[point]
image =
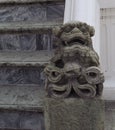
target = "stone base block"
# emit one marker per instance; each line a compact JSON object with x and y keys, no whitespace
{"x":74,"y":114}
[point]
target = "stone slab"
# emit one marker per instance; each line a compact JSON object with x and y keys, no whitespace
{"x":20,"y":27}
{"x":26,"y":42}
{"x":22,"y":76}
{"x":74,"y":114}
{"x":22,"y":97}
{"x":26,"y":1}
{"x":32,"y":12}
{"x":21,"y":120}
{"x":13,"y":58}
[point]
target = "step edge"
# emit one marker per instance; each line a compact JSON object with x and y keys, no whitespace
{"x":27,"y":1}
{"x":21,"y":27}
{"x":9,"y":58}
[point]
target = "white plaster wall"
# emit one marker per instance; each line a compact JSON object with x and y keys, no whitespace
{"x":107,"y":3}
{"x":108,"y":45}
{"x":97,"y":27}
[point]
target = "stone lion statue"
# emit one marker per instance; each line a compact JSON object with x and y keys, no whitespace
{"x":74,"y":68}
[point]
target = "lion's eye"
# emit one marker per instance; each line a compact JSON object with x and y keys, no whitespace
{"x":63,"y":43}
{"x":92,"y":74}
{"x":83,"y":29}
{"x":68,"y":29}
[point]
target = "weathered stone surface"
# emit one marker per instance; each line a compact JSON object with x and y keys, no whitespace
{"x":26,"y":42}
{"x":22,"y":97}
{"x":21,"y":120}
{"x":21,"y":75}
{"x":55,"y":12}
{"x":74,"y":114}
{"x":109,"y":114}
{"x":32,"y":12}
{"x":26,"y":1}
{"x":22,"y":13}
{"x":26,"y":27}
{"x":45,"y":27}
{"x":17,"y":58}
{"x":75,"y":65}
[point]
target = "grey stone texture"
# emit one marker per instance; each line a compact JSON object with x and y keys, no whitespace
{"x":22,"y":97}
{"x":26,"y":42}
{"x":19,"y":27}
{"x":110,"y":115}
{"x":55,"y":12}
{"x":75,"y":65}
{"x":32,"y":12}
{"x":21,"y":120}
{"x":74,"y":114}
{"x":21,"y":75}
{"x":25,"y":48}
{"x":26,"y":1}
{"x":22,"y":13}
{"x":24,"y":58}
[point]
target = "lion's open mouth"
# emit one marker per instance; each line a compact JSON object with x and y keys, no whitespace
{"x":76,"y":41}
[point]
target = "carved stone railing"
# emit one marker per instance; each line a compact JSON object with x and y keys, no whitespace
{"x":74,"y":82}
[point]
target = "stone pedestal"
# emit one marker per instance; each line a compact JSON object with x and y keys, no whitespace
{"x":74,"y":114}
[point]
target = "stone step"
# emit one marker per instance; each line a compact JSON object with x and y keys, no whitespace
{"x":26,"y":1}
{"x":31,"y":97}
{"x":33,"y":13}
{"x":22,"y":76}
{"x":28,"y":27}
{"x":25,"y":48}
{"x":22,"y":97}
{"x":27,"y":42}
{"x":15,"y":58}
{"x":26,"y":37}
{"x":21,"y":120}
{"x":23,"y":68}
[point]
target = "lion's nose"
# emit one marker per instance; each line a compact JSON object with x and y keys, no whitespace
{"x":76,"y":30}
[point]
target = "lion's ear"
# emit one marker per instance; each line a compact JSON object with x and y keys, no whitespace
{"x":56,"y":31}
{"x":91,"y":31}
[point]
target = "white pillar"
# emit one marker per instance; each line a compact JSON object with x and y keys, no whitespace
{"x":85,"y":11}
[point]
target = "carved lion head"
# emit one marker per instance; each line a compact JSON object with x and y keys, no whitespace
{"x":75,"y":34}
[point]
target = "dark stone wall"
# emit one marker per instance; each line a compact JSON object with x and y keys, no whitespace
{"x":21,"y":75}
{"x":21,"y":120}
{"x":26,"y":42}
{"x":32,"y":12}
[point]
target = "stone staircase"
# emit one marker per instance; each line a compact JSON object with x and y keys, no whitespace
{"x":25,"y":48}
